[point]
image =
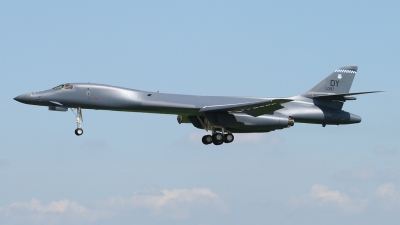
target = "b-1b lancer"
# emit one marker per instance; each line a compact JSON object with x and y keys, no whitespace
{"x":222,"y":116}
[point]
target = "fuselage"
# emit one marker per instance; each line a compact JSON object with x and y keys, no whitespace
{"x":105,"y":97}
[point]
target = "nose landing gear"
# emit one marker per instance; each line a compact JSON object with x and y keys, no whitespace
{"x":79,"y":120}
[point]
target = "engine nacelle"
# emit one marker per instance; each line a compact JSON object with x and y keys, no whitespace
{"x":248,"y":123}
{"x":59,"y":108}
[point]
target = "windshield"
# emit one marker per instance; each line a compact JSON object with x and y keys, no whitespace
{"x":58,"y":87}
{"x":62,"y":86}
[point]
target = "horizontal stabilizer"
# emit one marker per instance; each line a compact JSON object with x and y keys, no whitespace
{"x":252,"y":108}
{"x":342,"y":97}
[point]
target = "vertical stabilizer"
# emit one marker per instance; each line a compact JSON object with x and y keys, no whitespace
{"x":339,"y":82}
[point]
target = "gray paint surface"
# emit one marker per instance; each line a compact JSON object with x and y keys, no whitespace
{"x":321,"y":105}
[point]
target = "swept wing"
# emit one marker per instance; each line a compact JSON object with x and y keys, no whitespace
{"x":251,"y":108}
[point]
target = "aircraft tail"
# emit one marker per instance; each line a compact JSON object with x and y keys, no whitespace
{"x":339,"y":82}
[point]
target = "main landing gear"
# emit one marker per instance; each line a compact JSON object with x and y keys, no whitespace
{"x":217,"y":138}
{"x":79,"y":120}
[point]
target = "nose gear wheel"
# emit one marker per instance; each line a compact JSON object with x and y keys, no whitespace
{"x":78,"y":131}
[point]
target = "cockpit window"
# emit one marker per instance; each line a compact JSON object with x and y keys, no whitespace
{"x":63,"y":86}
{"x":58,"y":87}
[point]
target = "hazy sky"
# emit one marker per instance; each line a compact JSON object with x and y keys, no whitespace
{"x":132,"y":168}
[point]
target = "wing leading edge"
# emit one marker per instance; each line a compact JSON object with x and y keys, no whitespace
{"x":251,"y":108}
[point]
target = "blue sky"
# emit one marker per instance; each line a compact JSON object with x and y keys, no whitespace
{"x":146,"y":168}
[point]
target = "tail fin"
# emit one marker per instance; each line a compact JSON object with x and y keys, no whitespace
{"x":339,"y":82}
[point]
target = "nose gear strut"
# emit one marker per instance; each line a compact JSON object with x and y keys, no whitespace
{"x":79,"y":120}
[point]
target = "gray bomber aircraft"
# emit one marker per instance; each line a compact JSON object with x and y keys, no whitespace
{"x":223,"y":116}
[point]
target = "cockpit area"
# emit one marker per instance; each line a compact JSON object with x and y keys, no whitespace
{"x":63,"y":86}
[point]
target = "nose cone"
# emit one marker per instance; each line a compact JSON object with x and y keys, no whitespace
{"x":25,"y":98}
{"x":354,"y":118}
